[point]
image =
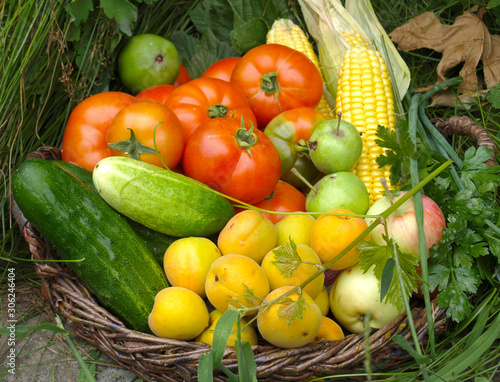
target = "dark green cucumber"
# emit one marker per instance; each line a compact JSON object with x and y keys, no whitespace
{"x":116,"y":265}
{"x":157,"y":242}
{"x":161,"y":199}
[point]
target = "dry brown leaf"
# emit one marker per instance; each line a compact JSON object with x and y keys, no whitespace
{"x":467,"y":40}
{"x":462,"y":101}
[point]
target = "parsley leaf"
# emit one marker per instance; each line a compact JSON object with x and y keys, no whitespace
{"x":494,"y":94}
{"x":454,"y":284}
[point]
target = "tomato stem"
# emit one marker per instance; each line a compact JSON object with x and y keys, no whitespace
{"x":302,"y":147}
{"x":270,"y":84}
{"x":132,"y":147}
{"x":217,"y":111}
{"x":246,"y":138}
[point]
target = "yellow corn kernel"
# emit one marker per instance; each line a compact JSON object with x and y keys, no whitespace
{"x":286,"y":32}
{"x":366,"y":101}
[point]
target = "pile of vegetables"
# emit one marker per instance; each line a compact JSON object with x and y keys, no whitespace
{"x":193,"y":189}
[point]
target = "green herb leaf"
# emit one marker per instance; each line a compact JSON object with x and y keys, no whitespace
{"x":249,"y":34}
{"x":198,"y":54}
{"x":399,"y":149}
{"x":475,"y":159}
{"x":494,"y":94}
{"x":119,"y":10}
{"x":292,"y":310}
{"x":250,"y":296}
{"x":287,"y":258}
{"x":378,"y":256}
{"x":456,"y":302}
{"x":439,"y":276}
{"x":214,"y":16}
{"x":79,"y":10}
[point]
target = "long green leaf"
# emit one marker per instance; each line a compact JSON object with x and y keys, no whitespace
{"x":247,"y":368}
{"x":21,"y":331}
{"x":206,"y":368}
{"x":466,"y":358}
{"x":222,"y":331}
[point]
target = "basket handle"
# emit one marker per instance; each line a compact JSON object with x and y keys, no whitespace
{"x":466,"y":127}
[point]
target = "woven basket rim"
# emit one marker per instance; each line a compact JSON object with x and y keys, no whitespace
{"x":158,"y":359}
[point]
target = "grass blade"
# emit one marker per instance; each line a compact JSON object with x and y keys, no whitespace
{"x":466,"y":358}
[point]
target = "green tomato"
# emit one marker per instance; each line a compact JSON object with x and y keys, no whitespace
{"x":288,"y":130}
{"x":147,"y":60}
{"x":306,"y":168}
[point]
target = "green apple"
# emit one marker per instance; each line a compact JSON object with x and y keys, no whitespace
{"x":335,"y":145}
{"x":147,"y":60}
{"x":339,"y":190}
{"x":354,"y":294}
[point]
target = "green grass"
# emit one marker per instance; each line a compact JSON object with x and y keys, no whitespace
{"x":44,"y":76}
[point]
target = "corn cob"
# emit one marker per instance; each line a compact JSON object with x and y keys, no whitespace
{"x":286,"y":32}
{"x":364,"y":98}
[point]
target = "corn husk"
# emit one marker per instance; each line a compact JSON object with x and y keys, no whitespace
{"x":362,"y":11}
{"x":337,"y":29}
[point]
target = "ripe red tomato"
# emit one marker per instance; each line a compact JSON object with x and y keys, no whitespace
{"x":238,"y":162}
{"x":132,"y":133}
{"x":275,"y":78}
{"x":157,"y":93}
{"x":221,"y":69}
{"x":183,"y":76}
{"x":284,"y":198}
{"x":204,"y":98}
{"x":84,"y":139}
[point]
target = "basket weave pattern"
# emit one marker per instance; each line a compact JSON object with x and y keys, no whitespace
{"x":157,"y":359}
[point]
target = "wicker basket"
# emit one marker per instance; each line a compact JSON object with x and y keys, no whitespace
{"x":157,"y":359}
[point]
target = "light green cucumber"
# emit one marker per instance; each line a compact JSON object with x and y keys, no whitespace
{"x":161,"y":199}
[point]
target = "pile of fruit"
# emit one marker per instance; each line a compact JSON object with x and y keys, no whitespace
{"x":241,"y":189}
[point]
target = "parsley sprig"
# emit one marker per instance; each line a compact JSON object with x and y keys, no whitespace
{"x":468,"y":255}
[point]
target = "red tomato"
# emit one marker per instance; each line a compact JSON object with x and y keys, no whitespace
{"x":275,"y":78}
{"x":183,"y":77}
{"x":84,"y":139}
{"x":204,"y":98}
{"x":284,"y":198}
{"x":238,"y":162}
{"x":221,"y":69}
{"x":141,"y":119}
{"x":157,"y":93}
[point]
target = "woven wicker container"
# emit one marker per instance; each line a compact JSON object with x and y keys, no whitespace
{"x":157,"y":359}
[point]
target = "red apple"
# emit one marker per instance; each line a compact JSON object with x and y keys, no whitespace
{"x":402,"y":224}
